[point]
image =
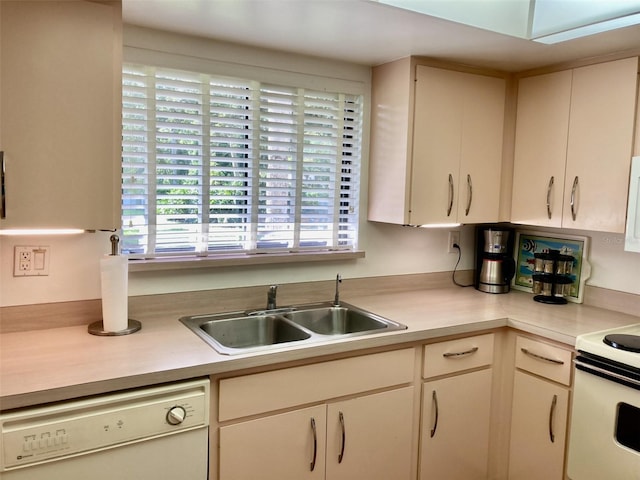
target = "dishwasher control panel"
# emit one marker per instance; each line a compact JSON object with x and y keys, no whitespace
{"x":79,"y":426}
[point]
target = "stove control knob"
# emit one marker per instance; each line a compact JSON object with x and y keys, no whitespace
{"x":176,"y":415}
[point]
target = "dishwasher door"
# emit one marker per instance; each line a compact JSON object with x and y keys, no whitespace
{"x":153,"y":433}
{"x":176,"y":457}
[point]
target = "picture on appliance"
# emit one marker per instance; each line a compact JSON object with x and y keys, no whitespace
{"x":528,"y":245}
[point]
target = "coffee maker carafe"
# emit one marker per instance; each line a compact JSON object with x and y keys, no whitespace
{"x":495,"y":266}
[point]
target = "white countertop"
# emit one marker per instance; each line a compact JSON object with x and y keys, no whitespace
{"x":42,"y":366}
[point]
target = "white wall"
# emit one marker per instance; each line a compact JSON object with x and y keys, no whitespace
{"x":391,"y":250}
{"x":74,"y":265}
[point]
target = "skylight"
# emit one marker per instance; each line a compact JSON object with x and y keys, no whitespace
{"x":544,"y":21}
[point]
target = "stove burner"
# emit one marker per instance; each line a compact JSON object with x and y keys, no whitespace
{"x":630,"y":343}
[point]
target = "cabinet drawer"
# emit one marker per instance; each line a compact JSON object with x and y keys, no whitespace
{"x":289,"y":387}
{"x":543,"y":359}
{"x":457,"y":355}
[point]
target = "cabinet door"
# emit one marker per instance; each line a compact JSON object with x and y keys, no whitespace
{"x":603,"y":104}
{"x":542,"y":125}
{"x":370,"y":437}
{"x":437,"y":130}
{"x":481,"y":149}
{"x":278,"y":447}
{"x":60,"y":114}
{"x":538,"y":429}
{"x":457,"y":147}
{"x":455,"y":427}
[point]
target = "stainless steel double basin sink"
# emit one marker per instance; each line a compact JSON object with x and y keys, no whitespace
{"x":246,"y":332}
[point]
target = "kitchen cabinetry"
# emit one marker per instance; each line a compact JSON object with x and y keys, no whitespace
{"x":436,"y":145}
{"x":456,"y":409}
{"x":574,"y":137}
{"x":369,"y":436}
{"x":60,"y":113}
{"x":539,"y":411}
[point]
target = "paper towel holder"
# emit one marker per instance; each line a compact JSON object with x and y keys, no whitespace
{"x":97,"y":328}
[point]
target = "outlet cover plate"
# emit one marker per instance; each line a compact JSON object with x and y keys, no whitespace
{"x":31,"y":261}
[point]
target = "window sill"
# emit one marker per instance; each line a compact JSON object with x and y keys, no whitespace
{"x":217,"y":261}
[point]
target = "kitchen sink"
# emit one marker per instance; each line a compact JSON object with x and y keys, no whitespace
{"x":253,"y":331}
{"x":246,"y":332}
{"x":337,"y":320}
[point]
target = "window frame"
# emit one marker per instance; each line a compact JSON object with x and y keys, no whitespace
{"x":233,"y":258}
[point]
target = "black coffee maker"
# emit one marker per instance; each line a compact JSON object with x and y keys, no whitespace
{"x":495,"y":265}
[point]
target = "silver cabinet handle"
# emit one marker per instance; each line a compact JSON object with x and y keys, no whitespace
{"x":540,"y":357}
{"x":549,"y":187}
{"x":3,"y":207}
{"x":469,"y":194}
{"x":460,"y":354}
{"x":344,"y":438}
{"x":552,"y":413}
{"x":315,"y":444}
{"x":450,"y":195}
{"x":573,"y":198}
{"x":435,"y":421}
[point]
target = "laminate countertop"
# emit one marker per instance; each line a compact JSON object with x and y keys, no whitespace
{"x":42,"y":366}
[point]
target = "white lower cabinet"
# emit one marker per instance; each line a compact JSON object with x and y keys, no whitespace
{"x":541,"y":387}
{"x":346,"y":419}
{"x":456,"y":409}
{"x":455,"y":427}
{"x":356,"y":418}
{"x":538,"y":429}
{"x":278,"y":447}
{"x":368,"y":437}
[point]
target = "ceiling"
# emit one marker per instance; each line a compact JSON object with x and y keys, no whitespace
{"x":363,"y":31}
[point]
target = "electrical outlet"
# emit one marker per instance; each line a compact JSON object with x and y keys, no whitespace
{"x":31,"y":261}
{"x":454,"y":238}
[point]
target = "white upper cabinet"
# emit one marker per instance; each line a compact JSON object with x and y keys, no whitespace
{"x":457,"y":147}
{"x":574,"y":138}
{"x":541,"y":149}
{"x":60,"y":113}
{"x":436,"y":145}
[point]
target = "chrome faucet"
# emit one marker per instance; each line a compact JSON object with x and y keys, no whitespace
{"x":271,"y":297}
{"x":336,"y":300}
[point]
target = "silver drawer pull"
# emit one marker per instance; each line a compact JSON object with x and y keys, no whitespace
{"x":460,"y":354}
{"x":312,"y":467}
{"x":552,"y":412}
{"x":469,"y":195}
{"x":344,"y":438}
{"x":549,"y":187}
{"x":450,"y":207}
{"x":434,"y":397}
{"x":540,"y":357}
{"x":574,"y":213}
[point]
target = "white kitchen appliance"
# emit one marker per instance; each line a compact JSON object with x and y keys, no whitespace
{"x":605,"y":422}
{"x":632,"y":231}
{"x":152,"y":433}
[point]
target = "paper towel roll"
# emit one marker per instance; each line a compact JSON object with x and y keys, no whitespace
{"x":114,"y":275}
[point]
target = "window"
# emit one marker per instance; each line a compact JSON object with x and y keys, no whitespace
{"x":215,"y":164}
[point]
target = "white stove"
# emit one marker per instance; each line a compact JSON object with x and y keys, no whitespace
{"x":621,"y":345}
{"x":605,"y":419}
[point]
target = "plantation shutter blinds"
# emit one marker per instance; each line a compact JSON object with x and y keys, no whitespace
{"x":215,"y":164}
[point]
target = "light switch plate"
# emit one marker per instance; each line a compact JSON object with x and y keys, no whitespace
{"x":31,"y":261}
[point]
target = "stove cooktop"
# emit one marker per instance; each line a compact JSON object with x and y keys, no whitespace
{"x":623,"y":341}
{"x":620,"y":344}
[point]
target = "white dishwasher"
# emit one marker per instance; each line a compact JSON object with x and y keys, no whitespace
{"x":154,"y":433}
